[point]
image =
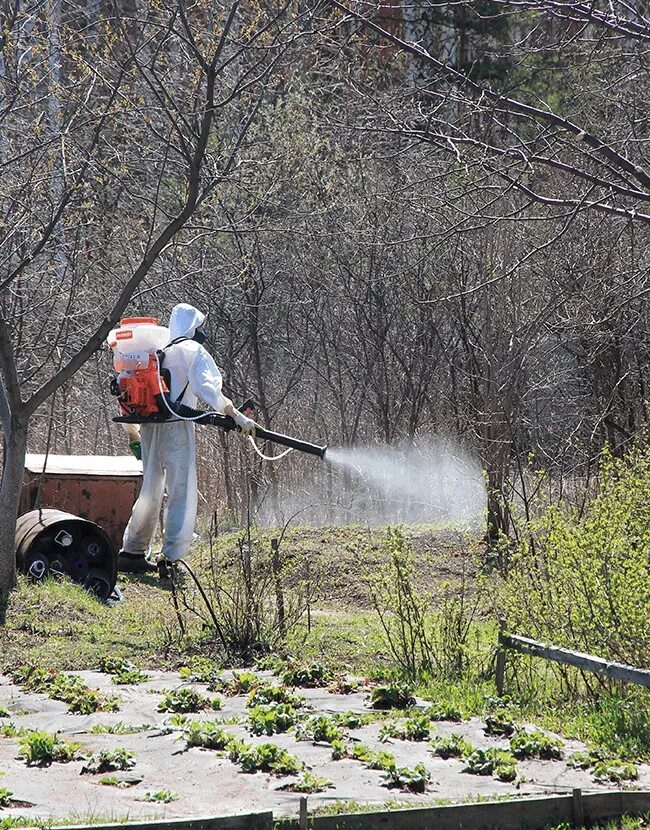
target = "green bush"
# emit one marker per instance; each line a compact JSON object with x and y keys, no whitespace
{"x":580,"y":580}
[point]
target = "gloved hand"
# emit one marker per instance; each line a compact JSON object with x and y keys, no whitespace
{"x":136,"y":449}
{"x":245,"y":424}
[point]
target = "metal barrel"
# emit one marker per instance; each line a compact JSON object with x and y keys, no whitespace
{"x":50,"y":541}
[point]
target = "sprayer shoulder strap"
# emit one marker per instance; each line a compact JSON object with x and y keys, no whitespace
{"x":161,"y":360}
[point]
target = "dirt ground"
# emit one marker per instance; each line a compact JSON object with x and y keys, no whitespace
{"x":209,"y":784}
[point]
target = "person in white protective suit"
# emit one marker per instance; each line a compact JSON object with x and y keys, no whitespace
{"x":169,"y":448}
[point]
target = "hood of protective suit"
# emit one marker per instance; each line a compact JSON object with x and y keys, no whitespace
{"x":184,"y":321}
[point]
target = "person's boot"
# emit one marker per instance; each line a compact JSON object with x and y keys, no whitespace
{"x":134,"y":563}
{"x":168,"y":570}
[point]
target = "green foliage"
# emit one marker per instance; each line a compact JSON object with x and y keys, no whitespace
{"x":585,"y":583}
{"x":273,"y":694}
{"x":536,"y":745}
{"x":184,"y":700}
{"x":615,"y":770}
{"x":123,"y":672}
{"x":412,"y":780}
{"x":109,"y":760}
{"x":4,"y":713}
{"x":319,"y":729}
{"x":44,"y":748}
{"x":242,"y":683}
{"x":442,"y":710}
{"x":307,"y":676}
{"x":497,"y":762}
{"x":201,"y":670}
{"x":68,"y":688}
{"x":451,"y":746}
{"x":360,"y":752}
{"x":412,"y":729}
{"x":272,"y":718}
{"x":118,"y":728}
{"x":307,"y":782}
{"x":5,"y":797}
{"x":499,"y":722}
{"x":160,"y":796}
{"x":206,"y":734}
{"x":266,"y":757}
{"x":392,"y":696}
{"x":110,"y":781}
{"x":351,"y":720}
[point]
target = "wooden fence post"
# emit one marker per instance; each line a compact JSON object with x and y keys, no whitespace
{"x":501,"y":659}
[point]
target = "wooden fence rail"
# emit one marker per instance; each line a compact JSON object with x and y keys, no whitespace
{"x":586,"y":662}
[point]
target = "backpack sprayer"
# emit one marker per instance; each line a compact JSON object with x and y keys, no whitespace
{"x":142,"y":385}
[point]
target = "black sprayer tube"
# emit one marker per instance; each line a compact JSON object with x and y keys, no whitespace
{"x":226,"y":423}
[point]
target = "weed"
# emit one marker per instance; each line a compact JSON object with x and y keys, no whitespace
{"x":536,"y":745}
{"x":393,"y":696}
{"x":183,"y":700}
{"x":452,"y":746}
{"x":307,"y":782}
{"x":498,"y":762}
{"x":412,"y":780}
{"x":118,"y":728}
{"x":271,"y":718}
{"x":308,"y":676}
{"x":45,"y":748}
{"x":207,"y":734}
{"x":109,"y":760}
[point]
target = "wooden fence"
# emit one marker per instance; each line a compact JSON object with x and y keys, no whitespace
{"x":586,"y":662}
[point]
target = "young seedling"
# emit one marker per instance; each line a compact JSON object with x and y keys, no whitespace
{"x":265,"y":757}
{"x":309,"y":783}
{"x":123,"y":671}
{"x":413,"y":729}
{"x":118,"y":728}
{"x":241,"y":684}
{"x":536,"y":745}
{"x":412,"y":780}
{"x":306,"y":676}
{"x":273,"y":694}
{"x":272,"y":718}
{"x":160,"y":796}
{"x":497,"y":762}
{"x":206,"y":734}
{"x":319,"y":729}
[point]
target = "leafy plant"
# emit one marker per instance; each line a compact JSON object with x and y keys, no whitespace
{"x":451,"y":746}
{"x":4,"y":713}
{"x":351,"y":720}
{"x":413,"y":729}
{"x":109,"y":760}
{"x":267,"y":757}
{"x":441,"y":710}
{"x":273,"y":694}
{"x":44,"y":748}
{"x":345,"y":686}
{"x":499,"y":723}
{"x":5,"y":797}
{"x":184,"y":700}
{"x":110,"y":780}
{"x":586,"y":758}
{"x":413,"y":780}
{"x":271,"y":718}
{"x":615,"y":770}
{"x":307,"y":782}
{"x":308,"y":676}
{"x":118,"y":728}
{"x":498,"y":762}
{"x":242,"y":683}
{"x":123,"y":671}
{"x":319,"y":729}
{"x":393,"y":696}
{"x":207,"y":734}
{"x":380,"y":760}
{"x":201,"y":670}
{"x":536,"y":745}
{"x":160,"y":796}
{"x":68,"y":688}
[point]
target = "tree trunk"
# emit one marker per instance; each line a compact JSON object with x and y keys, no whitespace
{"x":12,"y":479}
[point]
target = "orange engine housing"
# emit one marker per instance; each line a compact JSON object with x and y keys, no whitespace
{"x":139,"y":390}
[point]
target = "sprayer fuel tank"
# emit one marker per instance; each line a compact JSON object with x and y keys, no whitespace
{"x":51,"y":542}
{"x":138,"y":334}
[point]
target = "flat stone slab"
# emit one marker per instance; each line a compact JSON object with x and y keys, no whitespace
{"x":209,"y":784}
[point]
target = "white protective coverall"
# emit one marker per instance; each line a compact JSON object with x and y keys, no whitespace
{"x":169,"y":449}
